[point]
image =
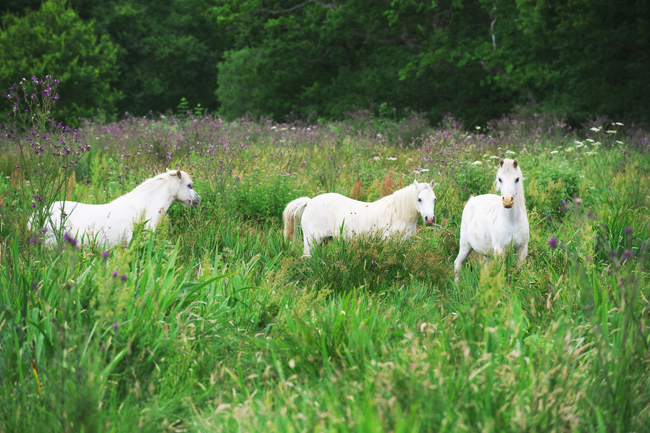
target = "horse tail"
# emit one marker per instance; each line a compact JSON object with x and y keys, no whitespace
{"x":291,"y":213}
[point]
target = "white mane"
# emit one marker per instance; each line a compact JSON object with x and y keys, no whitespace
{"x":152,"y":183}
{"x":399,"y":204}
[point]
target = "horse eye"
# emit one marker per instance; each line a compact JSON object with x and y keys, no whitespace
{"x":189,"y":186}
{"x":419,"y":199}
{"x":500,"y":180}
{"x":516,"y":180}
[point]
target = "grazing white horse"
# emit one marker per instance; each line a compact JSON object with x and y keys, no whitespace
{"x":490,"y":223}
{"x":333,"y":214}
{"x":112,"y":223}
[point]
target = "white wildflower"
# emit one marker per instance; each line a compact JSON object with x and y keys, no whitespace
{"x":619,"y":142}
{"x":510,"y":151}
{"x":293,"y":128}
{"x":595,"y":129}
{"x":292,"y":363}
{"x":392,"y":159}
{"x":274,"y":127}
{"x":343,"y":312}
{"x":486,"y":155}
{"x":618,"y":124}
{"x":579,"y":146}
{"x":478,"y":127}
{"x":376,"y":158}
{"x":380,"y":136}
{"x":611,"y":132}
{"x":578,"y":142}
{"x":554,"y":152}
{"x":590,"y":140}
{"x":494,"y":157}
{"x":424,"y":170}
{"x":308,"y":129}
{"x":477,"y":163}
{"x":569,"y":149}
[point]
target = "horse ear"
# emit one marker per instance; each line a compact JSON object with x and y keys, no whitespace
{"x":515,"y":163}
{"x":178,"y":173}
{"x":433,"y":183}
{"x":415,"y":182}
{"x":501,"y":163}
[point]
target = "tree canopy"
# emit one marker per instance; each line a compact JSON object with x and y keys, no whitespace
{"x":474,"y":59}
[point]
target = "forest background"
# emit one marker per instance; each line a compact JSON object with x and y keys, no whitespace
{"x":473,"y":59}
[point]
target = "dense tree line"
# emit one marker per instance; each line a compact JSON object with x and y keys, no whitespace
{"x":475,"y":59}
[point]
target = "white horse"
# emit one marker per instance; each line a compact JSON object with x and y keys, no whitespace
{"x":112,"y":223}
{"x":333,"y":214}
{"x":490,"y":223}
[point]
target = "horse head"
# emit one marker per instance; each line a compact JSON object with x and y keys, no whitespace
{"x":181,"y":188}
{"x":426,"y":200}
{"x":508,"y":181}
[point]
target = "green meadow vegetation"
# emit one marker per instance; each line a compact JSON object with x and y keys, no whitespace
{"x":215,"y":323}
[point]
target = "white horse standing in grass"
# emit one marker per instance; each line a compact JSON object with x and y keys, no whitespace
{"x":491,"y":223}
{"x":330,"y":215}
{"x":113,"y":222}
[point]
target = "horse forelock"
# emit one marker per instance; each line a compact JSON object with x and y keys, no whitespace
{"x":173,"y":173}
{"x":508,"y":169}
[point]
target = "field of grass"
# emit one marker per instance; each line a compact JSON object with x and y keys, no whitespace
{"x":215,"y":322}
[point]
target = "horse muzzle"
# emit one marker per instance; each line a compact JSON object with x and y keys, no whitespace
{"x":508,"y":202}
{"x":429,"y":220}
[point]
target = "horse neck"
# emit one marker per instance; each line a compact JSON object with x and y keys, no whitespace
{"x":152,"y":194}
{"x":400,"y":204}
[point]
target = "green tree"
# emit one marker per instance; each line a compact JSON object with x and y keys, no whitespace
{"x":475,"y":59}
{"x":167,"y":50}
{"x":55,"y":41}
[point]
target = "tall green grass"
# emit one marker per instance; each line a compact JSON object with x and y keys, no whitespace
{"x":216,"y":323}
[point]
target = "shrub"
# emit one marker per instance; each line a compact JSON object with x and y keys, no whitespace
{"x":264,"y":198}
{"x":55,"y":41}
{"x":475,"y":180}
{"x":552,"y":184}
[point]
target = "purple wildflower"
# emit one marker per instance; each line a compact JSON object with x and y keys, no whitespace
{"x":552,"y":242}
{"x":69,"y":239}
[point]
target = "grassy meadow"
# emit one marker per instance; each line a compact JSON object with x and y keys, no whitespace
{"x":215,"y":323}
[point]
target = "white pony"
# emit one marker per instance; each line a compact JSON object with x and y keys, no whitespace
{"x":112,"y":223}
{"x":333,"y":214}
{"x":490,"y":223}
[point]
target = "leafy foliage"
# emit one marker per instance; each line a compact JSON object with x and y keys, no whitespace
{"x":264,"y":198}
{"x":55,"y":41}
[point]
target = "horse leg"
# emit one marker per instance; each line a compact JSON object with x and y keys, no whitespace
{"x":523,"y":252}
{"x":309,"y":243}
{"x":463,"y":253}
